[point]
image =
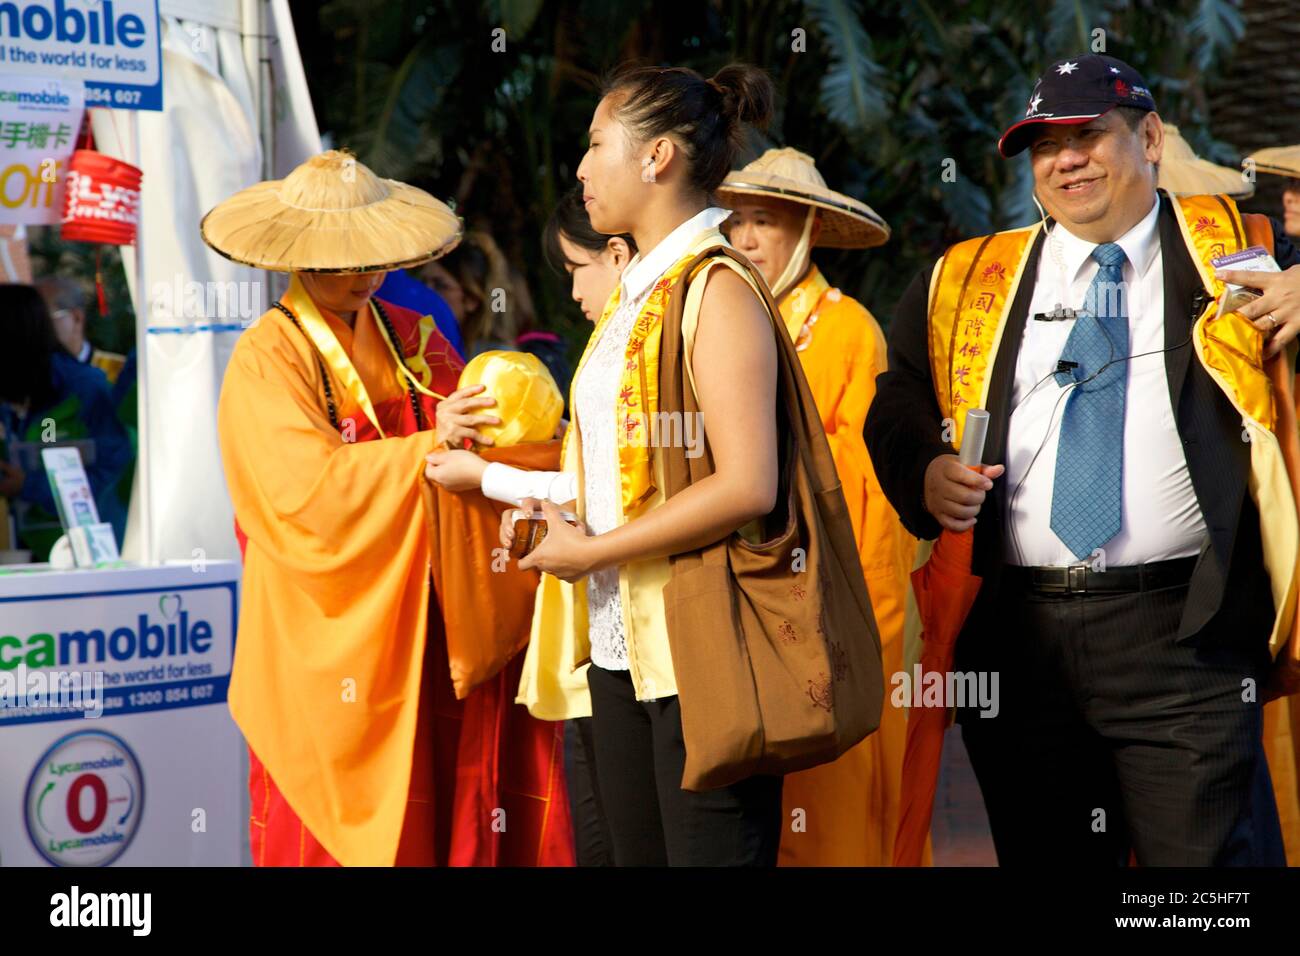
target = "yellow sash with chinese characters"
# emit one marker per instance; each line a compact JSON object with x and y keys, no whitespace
{"x":971,"y":291}
{"x":638,"y":394}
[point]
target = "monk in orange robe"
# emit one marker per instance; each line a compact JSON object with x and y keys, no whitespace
{"x":368,"y":744}
{"x":843,"y":813}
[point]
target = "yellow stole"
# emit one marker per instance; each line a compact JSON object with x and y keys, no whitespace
{"x":970,"y":295}
{"x":336,"y":359}
{"x":638,"y":395}
{"x":972,"y":289}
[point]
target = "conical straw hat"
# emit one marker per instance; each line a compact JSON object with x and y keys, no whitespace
{"x":331,"y":214}
{"x":1279,"y":160}
{"x":792,"y":175}
{"x":1183,"y":173}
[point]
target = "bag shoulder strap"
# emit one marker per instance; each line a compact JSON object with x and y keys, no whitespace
{"x":804,"y":442}
{"x":676,"y":396}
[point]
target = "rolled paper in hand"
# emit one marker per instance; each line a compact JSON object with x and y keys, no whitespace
{"x":972,"y":437}
{"x":528,"y":401}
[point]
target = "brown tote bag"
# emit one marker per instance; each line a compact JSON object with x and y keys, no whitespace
{"x":774,"y":645}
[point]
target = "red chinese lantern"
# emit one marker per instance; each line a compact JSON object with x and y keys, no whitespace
{"x":101,"y":199}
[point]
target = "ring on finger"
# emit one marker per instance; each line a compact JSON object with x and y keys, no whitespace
{"x":1271,"y":320}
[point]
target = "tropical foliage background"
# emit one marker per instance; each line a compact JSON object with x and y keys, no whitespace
{"x":882,"y":94}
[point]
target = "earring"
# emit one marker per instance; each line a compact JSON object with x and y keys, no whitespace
{"x":647,"y":170}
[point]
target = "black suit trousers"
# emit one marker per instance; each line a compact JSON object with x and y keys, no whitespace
{"x":1112,"y":736}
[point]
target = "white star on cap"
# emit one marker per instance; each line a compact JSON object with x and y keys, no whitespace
{"x":1114,"y":69}
{"x":1066,"y":68}
{"x":1033,"y":104}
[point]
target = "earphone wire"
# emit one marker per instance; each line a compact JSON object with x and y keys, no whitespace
{"x":1015,"y":538}
{"x":1065,"y":392}
{"x":1054,"y":245}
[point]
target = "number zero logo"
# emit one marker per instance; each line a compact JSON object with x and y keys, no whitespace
{"x":85,"y":799}
{"x":99,"y":802}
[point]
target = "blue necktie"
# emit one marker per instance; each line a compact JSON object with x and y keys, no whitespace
{"x":1088,"y":492}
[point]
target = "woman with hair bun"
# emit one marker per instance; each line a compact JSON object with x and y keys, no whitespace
{"x":661,"y":141}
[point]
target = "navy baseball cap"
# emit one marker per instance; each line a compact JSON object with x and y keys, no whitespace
{"x":1076,"y":90}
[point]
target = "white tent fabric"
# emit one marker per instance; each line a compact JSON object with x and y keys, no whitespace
{"x":201,"y":148}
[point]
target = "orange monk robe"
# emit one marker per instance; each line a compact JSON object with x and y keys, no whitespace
{"x":851,"y":806}
{"x":1282,"y":746}
{"x":362,"y":754}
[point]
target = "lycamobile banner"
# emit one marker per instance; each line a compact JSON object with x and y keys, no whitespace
{"x":116,"y":743}
{"x":113,"y":45}
{"x":116,"y":654}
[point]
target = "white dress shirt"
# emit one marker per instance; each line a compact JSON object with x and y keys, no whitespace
{"x":1161,"y":517}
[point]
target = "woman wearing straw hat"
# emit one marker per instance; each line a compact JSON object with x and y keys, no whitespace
{"x":341,"y":675}
{"x":781,"y":209}
{"x":1282,"y":161}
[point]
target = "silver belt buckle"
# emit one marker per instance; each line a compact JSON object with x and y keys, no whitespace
{"x":1075,"y":581}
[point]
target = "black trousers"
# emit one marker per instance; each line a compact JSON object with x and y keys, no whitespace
{"x":591,"y":839}
{"x":1113,"y":737}
{"x":652,"y":821}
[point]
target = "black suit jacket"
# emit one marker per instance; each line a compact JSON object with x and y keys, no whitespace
{"x":1229,"y":592}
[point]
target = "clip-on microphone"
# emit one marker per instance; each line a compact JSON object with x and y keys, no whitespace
{"x":1058,"y":314}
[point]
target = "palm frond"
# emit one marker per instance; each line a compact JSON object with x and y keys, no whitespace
{"x":399,"y":137}
{"x":851,"y":89}
{"x":1070,"y":26}
{"x":516,"y":16}
{"x":1217,"y":26}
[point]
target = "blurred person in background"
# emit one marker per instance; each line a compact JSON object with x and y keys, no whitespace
{"x":474,"y":280}
{"x":66,"y":300}
{"x":47,"y":396}
{"x":402,"y":288}
{"x":492,"y":305}
{"x":1291,"y":207}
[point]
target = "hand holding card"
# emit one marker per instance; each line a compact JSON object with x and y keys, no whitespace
{"x":1257,"y":291}
{"x":1254,"y":259}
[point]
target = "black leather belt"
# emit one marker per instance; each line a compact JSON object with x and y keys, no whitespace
{"x":1082,"y":579}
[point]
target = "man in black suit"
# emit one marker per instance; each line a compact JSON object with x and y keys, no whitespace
{"x":1126,"y":604}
